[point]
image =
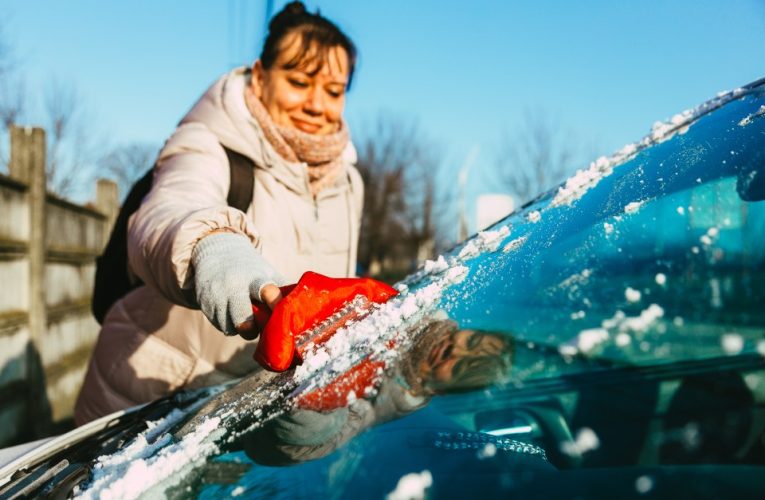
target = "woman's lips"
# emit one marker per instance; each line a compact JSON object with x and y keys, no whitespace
{"x":308,"y":127}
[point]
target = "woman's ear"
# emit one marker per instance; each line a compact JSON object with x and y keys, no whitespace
{"x":257,"y":79}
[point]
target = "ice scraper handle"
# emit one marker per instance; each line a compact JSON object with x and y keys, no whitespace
{"x":229,"y":273}
{"x":312,"y":300}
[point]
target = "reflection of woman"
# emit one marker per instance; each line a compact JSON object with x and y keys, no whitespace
{"x":442,"y":359}
{"x":193,"y":251}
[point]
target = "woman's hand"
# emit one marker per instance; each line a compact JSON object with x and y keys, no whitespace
{"x":229,"y":275}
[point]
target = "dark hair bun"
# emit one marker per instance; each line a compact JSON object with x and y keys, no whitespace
{"x":290,"y":15}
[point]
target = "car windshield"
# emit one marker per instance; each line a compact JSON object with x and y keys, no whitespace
{"x":615,"y":321}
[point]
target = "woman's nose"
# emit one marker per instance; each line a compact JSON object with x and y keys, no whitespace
{"x":314,"y":104}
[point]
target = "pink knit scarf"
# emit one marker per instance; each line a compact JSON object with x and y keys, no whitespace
{"x":322,"y":153}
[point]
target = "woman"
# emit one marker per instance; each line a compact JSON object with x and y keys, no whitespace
{"x":203,"y":262}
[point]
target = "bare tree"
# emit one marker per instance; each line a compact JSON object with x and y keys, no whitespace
{"x":71,"y":143}
{"x":400,"y":170}
{"x":126,"y":164}
{"x":536,"y":158}
{"x":12,"y":97}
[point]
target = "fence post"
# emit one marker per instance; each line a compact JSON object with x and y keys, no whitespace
{"x":28,"y":164}
{"x":108,"y":203}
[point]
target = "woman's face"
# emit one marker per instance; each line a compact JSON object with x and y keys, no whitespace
{"x":447,"y":358}
{"x":308,"y":98}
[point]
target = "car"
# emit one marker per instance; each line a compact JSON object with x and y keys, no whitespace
{"x":606,"y":340}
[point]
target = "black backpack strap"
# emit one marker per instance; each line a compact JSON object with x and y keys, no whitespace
{"x":112,"y":282}
{"x":242,"y":171}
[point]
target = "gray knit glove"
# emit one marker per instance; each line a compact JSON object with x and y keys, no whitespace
{"x":229,"y":273}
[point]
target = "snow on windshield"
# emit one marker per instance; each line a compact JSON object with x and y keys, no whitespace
{"x":583,"y":180}
{"x":157,"y":459}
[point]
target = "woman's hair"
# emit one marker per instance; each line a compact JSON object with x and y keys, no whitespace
{"x":318,"y":34}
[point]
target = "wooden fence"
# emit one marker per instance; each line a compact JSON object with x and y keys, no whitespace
{"x":48,"y":248}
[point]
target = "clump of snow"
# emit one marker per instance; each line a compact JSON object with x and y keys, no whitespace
{"x":643,"y":484}
{"x":661,"y":279}
{"x":534,"y":216}
{"x":678,"y":321}
{"x":488,"y":451}
{"x":588,"y":339}
{"x":436,"y":266}
{"x":713,"y":232}
{"x":732,"y":343}
{"x":694,"y":249}
{"x":583,"y":180}
{"x":567,"y":350}
{"x":761,"y":347}
{"x":237,"y":491}
{"x":705,"y":240}
{"x":633,"y":207}
{"x":750,"y":118}
{"x":609,"y":228}
{"x":623,"y":339}
{"x":490,"y":240}
{"x":578,"y":315}
{"x":469,"y":250}
{"x":134,"y":470}
{"x":632,"y":295}
{"x":412,"y":486}
{"x":646,"y":318}
{"x":515,"y":244}
{"x":586,"y":440}
{"x":681,"y":210}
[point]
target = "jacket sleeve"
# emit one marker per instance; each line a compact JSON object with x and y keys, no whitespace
{"x":187,"y":201}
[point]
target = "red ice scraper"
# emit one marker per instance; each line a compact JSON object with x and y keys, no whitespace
{"x":311,"y":311}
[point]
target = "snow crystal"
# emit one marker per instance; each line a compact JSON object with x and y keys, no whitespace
{"x":732,"y":343}
{"x":694,"y":249}
{"x":713,"y":232}
{"x":681,"y":210}
{"x":633,"y":207}
{"x":412,"y":486}
{"x":661,"y":279}
{"x":632,"y":295}
{"x":706,"y":240}
{"x":515,"y":244}
{"x":609,"y":228}
{"x":488,"y":451}
{"x":534,"y":216}
{"x":586,"y":440}
{"x":643,"y":484}
{"x":588,"y":339}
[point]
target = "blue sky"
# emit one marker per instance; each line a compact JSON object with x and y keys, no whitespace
{"x":466,"y":71}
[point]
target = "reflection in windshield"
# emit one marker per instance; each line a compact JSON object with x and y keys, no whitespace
{"x":440,"y":359}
